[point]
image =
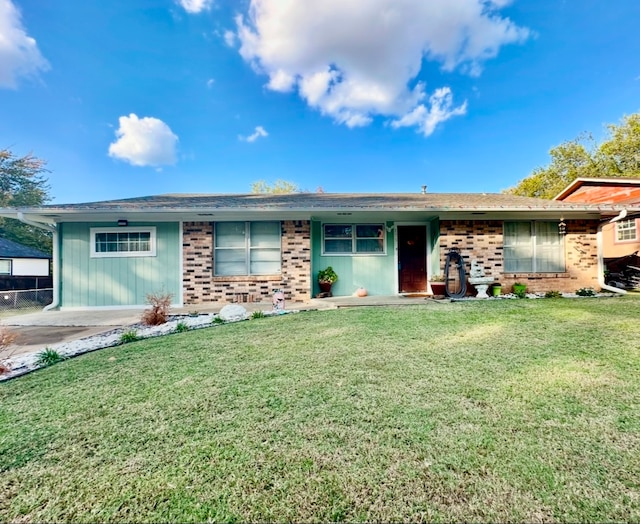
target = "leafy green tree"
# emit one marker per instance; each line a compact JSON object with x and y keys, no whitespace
{"x":617,"y":156}
{"x":621,"y":153}
{"x":23,"y":184}
{"x":277,"y":188}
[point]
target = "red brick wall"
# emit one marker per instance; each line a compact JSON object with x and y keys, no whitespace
{"x":483,"y":241}
{"x":201,"y":286}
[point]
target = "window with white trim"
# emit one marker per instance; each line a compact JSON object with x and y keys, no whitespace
{"x":112,"y":242}
{"x":5,"y":266}
{"x":626,"y":230}
{"x":247,"y":248}
{"x":349,"y":239}
{"x":533,"y":247}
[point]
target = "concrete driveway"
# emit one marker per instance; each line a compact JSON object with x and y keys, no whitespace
{"x":36,"y":331}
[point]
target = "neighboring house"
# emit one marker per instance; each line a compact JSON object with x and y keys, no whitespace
{"x":222,"y":248}
{"x":23,"y":267}
{"x":622,"y":237}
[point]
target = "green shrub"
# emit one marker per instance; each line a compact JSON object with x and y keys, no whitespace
{"x":257,"y":314}
{"x":129,"y":336}
{"x":48,"y":356}
{"x":586,"y":292}
{"x":553,"y":294}
{"x":181,"y":327}
{"x":520,"y":293}
{"x":217,"y":320}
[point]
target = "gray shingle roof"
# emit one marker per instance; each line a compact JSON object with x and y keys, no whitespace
{"x":323,"y":201}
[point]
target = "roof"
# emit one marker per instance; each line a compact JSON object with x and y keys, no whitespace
{"x":355,"y":201}
{"x":602,"y":190}
{"x":298,"y":206}
{"x":10,"y":249}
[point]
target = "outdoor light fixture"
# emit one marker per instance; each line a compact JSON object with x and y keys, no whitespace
{"x":562,"y":227}
{"x":123,"y":223}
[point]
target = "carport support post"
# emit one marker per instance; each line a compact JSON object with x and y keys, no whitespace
{"x":56,"y":257}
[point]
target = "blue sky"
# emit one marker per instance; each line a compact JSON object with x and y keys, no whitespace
{"x":140,"y":97}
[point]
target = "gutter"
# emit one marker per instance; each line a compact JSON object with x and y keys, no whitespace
{"x":601,"y":283}
{"x":56,"y":257}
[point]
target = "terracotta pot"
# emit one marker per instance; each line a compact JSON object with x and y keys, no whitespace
{"x":325,"y":287}
{"x":437,"y":288}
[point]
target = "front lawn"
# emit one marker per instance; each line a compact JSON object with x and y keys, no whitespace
{"x":514,"y":410}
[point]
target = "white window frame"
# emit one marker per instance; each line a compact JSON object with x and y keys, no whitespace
{"x":123,"y":254}
{"x":354,"y":240}
{"x":10,"y":272}
{"x":631,"y":225}
{"x":247,"y":249}
{"x":533,"y":224}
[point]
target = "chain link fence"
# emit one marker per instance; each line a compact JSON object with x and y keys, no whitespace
{"x":14,"y":301}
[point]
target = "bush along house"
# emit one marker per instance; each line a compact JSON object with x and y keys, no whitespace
{"x":239,"y":248}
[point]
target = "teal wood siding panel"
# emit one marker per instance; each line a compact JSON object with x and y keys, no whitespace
{"x":434,"y":248}
{"x":376,"y":273}
{"x":118,"y":281}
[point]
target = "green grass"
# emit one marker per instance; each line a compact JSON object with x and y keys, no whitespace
{"x":524,"y":410}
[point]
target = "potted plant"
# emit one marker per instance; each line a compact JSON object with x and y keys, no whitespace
{"x":437,"y":284}
{"x":326,"y":278}
{"x":519,"y":289}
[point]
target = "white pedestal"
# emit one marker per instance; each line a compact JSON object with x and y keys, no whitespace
{"x":482,"y":290}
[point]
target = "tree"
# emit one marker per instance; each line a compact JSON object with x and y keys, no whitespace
{"x":279,"y":187}
{"x":22,"y":184}
{"x":621,"y":153}
{"x":617,"y":156}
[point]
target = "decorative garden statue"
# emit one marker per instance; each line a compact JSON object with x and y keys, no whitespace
{"x":278,"y":301}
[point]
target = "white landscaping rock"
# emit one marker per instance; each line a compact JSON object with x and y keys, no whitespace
{"x":233,"y":313}
{"x":28,"y":362}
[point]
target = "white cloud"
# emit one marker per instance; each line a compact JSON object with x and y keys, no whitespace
{"x":229,"y":38}
{"x":195,"y":6}
{"x":210,"y":82}
{"x":19,"y":53}
{"x":427,"y":118}
{"x":144,"y":142}
{"x":259,"y":132}
{"x":357,"y":59}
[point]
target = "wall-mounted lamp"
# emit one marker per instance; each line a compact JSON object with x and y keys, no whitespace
{"x":562,"y":227}
{"x":123,"y":222}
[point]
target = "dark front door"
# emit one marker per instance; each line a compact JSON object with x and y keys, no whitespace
{"x":412,"y":258}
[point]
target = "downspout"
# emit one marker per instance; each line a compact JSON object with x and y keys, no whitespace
{"x":601,"y":256}
{"x":55,"y":257}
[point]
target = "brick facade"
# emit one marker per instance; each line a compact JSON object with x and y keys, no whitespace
{"x":483,"y":241}
{"x":201,"y":286}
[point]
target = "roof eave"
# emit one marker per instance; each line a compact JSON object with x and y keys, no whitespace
{"x":52,"y":215}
